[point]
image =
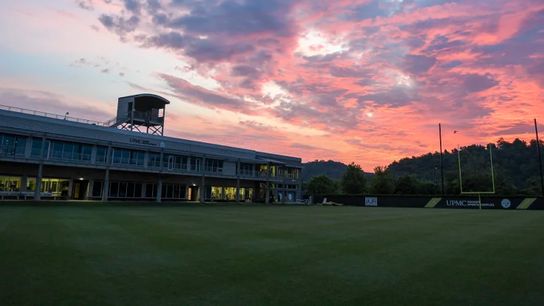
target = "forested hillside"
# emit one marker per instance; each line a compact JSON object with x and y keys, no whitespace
{"x":515,"y":165}
{"x":334,"y":170}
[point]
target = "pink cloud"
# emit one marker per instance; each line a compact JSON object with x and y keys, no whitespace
{"x":371,"y":79}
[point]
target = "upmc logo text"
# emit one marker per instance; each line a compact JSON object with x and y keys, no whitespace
{"x":467,"y":203}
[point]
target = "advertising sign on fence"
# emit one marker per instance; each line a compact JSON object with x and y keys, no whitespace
{"x":371,"y":201}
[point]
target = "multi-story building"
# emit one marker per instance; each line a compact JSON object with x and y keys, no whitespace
{"x":45,"y":156}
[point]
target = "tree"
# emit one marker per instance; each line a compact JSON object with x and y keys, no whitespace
{"x":407,"y":184}
{"x":382,"y":182}
{"x":322,"y":184}
{"x":353,"y":180}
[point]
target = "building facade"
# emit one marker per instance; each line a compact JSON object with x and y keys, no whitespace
{"x":43,"y":156}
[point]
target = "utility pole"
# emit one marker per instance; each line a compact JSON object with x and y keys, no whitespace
{"x":539,"y":159}
{"x":441,"y":158}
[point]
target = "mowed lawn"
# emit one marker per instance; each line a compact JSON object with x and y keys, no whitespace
{"x":269,"y":255}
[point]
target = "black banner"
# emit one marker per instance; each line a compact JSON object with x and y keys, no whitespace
{"x":467,"y":202}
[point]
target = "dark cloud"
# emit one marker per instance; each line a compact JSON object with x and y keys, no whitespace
{"x":133,"y":6}
{"x":395,"y":97}
{"x":347,"y":72}
{"x":244,"y":70}
{"x":171,"y":40}
{"x":153,"y":5}
{"x":236,"y":18}
{"x":199,"y":95}
{"x":85,"y":4}
{"x":200,"y":49}
{"x":119,"y":25}
{"x":418,"y":64}
{"x":514,"y":129}
{"x":477,"y":82}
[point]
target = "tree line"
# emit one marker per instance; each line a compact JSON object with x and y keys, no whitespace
{"x":515,"y":167}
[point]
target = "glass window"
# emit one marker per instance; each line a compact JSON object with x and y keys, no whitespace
{"x":149,"y":190}
{"x":114,"y":189}
{"x":122,"y":190}
{"x":217,"y":193}
{"x":12,"y":145}
{"x":36,"y":150}
{"x":195,"y":163}
{"x":138,"y":190}
{"x":154,"y":160}
{"x":97,"y":189}
{"x":101,"y":154}
{"x":9,"y":183}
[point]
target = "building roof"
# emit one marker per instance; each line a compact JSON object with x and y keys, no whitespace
{"x":93,"y":133}
{"x":146,"y":101}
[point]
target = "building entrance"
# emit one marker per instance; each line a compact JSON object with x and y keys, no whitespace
{"x":79,"y":189}
{"x":192,"y":193}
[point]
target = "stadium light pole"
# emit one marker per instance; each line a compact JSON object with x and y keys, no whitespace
{"x":539,"y":159}
{"x":441,"y":158}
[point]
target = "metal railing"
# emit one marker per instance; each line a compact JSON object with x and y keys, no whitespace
{"x":49,"y":115}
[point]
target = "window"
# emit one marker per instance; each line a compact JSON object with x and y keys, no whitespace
{"x":246,"y":169}
{"x":97,"y":189}
{"x":154,"y":160}
{"x":101,"y":154}
{"x":128,"y":157}
{"x":36,"y":150}
{"x":195,"y":163}
{"x":8,"y":183}
{"x":55,"y":186}
{"x":61,"y":150}
{"x":150,"y":191}
{"x":114,"y":189}
{"x":12,"y":145}
{"x":213,"y":165}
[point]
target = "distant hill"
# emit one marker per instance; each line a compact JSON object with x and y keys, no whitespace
{"x":330,"y":168}
{"x":515,"y":165}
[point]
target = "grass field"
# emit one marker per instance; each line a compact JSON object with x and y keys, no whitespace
{"x":269,"y":255}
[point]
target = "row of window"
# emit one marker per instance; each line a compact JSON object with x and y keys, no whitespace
{"x":124,"y":190}
{"x":54,"y":186}
{"x":12,"y":145}
{"x":219,"y":193}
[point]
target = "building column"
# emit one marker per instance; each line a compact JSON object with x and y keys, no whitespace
{"x":70,"y":188}
{"x":37,"y":191}
{"x":106,"y":186}
{"x":298,"y":195}
{"x":238,"y":181}
{"x":24,"y":182}
{"x":28,"y":147}
{"x":144,"y":190}
{"x":89,"y":192}
{"x":267,"y":199}
{"x":158,"y":199}
{"x":202,"y":188}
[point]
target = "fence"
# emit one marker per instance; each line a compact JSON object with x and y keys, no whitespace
{"x":455,"y":202}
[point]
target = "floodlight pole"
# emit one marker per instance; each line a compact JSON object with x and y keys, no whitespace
{"x":490,"y":148}
{"x":441,"y":158}
{"x":459,"y":165}
{"x":539,"y":159}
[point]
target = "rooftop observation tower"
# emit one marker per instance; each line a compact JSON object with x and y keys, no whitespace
{"x":143,"y":113}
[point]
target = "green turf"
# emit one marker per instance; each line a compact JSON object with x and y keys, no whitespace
{"x":257,"y":255}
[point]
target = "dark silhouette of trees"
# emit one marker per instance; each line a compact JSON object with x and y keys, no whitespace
{"x":515,"y":167}
{"x":353,"y":180}
{"x":322,"y":184}
{"x":382,"y":182}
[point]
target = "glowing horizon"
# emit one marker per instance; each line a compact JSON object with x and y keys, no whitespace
{"x":366,"y":81}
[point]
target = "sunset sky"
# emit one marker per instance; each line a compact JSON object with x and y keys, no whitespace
{"x":365,"y":81}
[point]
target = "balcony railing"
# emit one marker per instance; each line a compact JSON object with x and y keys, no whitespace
{"x":49,"y":115}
